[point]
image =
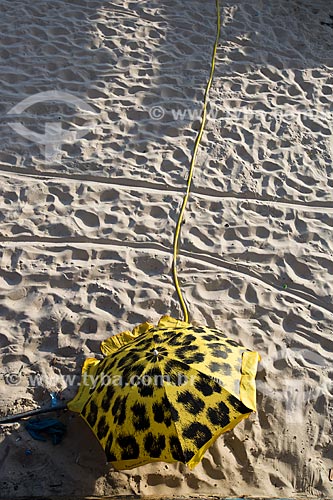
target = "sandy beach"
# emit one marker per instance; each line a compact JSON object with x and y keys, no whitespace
{"x":86,"y":234}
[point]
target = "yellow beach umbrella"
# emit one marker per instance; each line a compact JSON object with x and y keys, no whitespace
{"x":165,"y":393}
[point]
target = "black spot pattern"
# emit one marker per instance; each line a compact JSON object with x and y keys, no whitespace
{"x":183,"y":352}
{"x":162,"y":412}
{"x":203,"y":387}
{"x":176,"y":449}
{"x":128,"y":359}
{"x":100,"y":368}
{"x":206,"y":385}
{"x":92,"y":414}
{"x":209,"y":337}
{"x":225,"y":369}
{"x":108,"y":445}
{"x":105,"y":367}
{"x":192,"y":404}
{"x":119,"y":409}
{"x":158,"y":410}
{"x":143,"y":343}
{"x":214,"y":345}
{"x":155,"y":376}
{"x":187,"y":355}
{"x":160,"y":337}
{"x":102,"y":427}
{"x":174,"y":413}
{"x":175,"y":340}
{"x":145,"y":391}
{"x":198,"y":357}
{"x":167,"y":411}
{"x":129,"y":446}
{"x":177,"y":379}
{"x":219,"y":415}
{"x":200,"y":434}
{"x":238,"y":405}
{"x":182,"y":379}
{"x":138,"y":369}
{"x":154,"y":445}
{"x":173,"y":366}
{"x":140,"y":418}
{"x":99,"y":387}
{"x":215,"y":367}
{"x":109,"y":394}
{"x":188,"y":340}
{"x":218,"y":353}
{"x":198,"y":329}
{"x":126,"y":374}
{"x":188,"y":454}
{"x":218,"y":350}
{"x":232,"y":342}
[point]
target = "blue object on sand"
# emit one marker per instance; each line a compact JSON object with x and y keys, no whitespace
{"x":54,"y":400}
{"x":39,"y":428}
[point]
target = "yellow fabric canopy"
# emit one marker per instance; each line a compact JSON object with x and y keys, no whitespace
{"x":165,"y":393}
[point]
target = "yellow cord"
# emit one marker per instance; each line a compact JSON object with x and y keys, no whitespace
{"x":190,"y":175}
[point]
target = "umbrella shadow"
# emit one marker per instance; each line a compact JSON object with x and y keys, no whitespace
{"x":42,"y":469}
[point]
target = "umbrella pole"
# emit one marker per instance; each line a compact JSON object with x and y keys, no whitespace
{"x":10,"y":419}
{"x":176,"y":240}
